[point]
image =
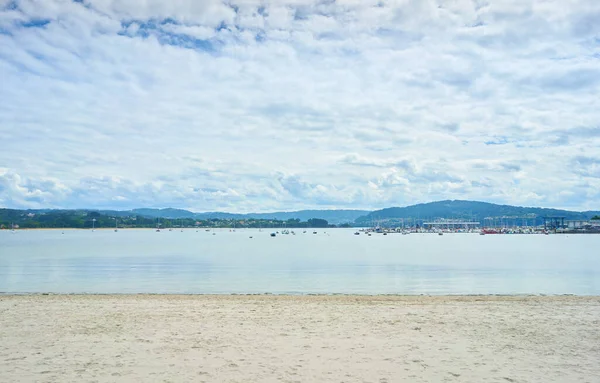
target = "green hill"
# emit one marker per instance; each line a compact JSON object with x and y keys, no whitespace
{"x":467,"y":210}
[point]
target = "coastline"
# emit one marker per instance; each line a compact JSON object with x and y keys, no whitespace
{"x":290,"y":338}
{"x":267,"y":230}
{"x":402,"y":298}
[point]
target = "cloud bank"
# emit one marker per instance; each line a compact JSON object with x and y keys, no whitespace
{"x":279,"y":105}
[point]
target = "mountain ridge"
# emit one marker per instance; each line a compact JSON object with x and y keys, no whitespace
{"x":446,"y":209}
{"x":471,"y":210}
{"x":334,"y":216}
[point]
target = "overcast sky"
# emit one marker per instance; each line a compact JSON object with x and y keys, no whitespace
{"x":281,"y":105}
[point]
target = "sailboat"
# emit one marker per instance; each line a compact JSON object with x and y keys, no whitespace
{"x":158,"y":224}
{"x":116,"y":227}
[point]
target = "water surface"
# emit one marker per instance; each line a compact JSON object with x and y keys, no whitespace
{"x":332,"y":261}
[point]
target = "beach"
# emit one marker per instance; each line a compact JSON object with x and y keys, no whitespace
{"x":265,"y":338}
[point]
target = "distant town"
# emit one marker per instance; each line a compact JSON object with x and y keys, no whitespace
{"x":438,"y":217}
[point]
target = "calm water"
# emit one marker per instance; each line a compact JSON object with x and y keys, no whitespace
{"x":336,"y":261}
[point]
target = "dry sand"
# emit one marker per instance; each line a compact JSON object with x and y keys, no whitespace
{"x":146,"y":338}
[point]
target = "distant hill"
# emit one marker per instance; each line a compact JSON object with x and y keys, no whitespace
{"x":162,"y":213}
{"x":451,"y":209}
{"x":335,"y":217}
{"x":332,"y":216}
{"x":468,"y":210}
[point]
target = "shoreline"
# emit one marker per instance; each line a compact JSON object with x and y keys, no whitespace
{"x":268,"y":230}
{"x":420,"y":299}
{"x":310,"y":295}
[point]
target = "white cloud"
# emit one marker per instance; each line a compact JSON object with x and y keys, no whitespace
{"x":199,"y":32}
{"x":257,"y":106}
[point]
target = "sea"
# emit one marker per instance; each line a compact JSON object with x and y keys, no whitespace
{"x":332,"y":261}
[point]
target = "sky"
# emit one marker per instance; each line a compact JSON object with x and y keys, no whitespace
{"x":256,"y":106}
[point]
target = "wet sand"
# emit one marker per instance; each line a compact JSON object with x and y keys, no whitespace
{"x":162,"y":338}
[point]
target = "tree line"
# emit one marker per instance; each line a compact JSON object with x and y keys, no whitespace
{"x":82,"y":219}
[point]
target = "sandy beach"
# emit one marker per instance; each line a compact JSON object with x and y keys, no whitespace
{"x":161,"y":338}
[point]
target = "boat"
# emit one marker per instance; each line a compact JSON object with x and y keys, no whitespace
{"x":314,"y":232}
{"x":356,"y":233}
{"x":273,"y":234}
{"x":489,"y":231}
{"x":440,"y":233}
